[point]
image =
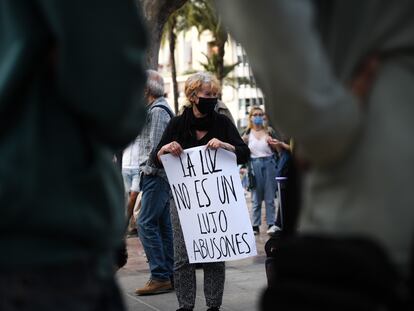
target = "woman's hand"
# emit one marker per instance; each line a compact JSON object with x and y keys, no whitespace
{"x":272,"y":142}
{"x":215,"y":143}
{"x":277,"y":144}
{"x":173,"y":147}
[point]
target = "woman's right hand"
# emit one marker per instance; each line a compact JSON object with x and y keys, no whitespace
{"x":173,"y":147}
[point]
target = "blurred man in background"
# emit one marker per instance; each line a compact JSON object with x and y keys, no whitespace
{"x":153,"y":222}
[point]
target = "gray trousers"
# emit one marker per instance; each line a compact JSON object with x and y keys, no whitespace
{"x":184,"y":272}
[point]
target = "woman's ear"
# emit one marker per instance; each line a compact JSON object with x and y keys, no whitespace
{"x":193,"y":98}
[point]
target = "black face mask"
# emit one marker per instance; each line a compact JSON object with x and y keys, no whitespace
{"x":206,"y":105}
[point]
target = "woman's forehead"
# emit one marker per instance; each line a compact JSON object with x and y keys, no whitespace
{"x":206,"y":87}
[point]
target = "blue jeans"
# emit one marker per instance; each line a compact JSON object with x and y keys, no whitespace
{"x":154,"y":226}
{"x":265,"y":174}
{"x":131,"y":179}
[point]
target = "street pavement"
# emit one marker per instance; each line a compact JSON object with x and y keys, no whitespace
{"x":245,"y":281}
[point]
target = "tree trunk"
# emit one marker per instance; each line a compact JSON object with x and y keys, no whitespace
{"x":156,"y":13}
{"x":172,"y":40}
{"x":221,"y":39}
{"x":220,"y":62}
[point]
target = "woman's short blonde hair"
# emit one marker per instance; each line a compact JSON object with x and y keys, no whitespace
{"x":195,"y":82}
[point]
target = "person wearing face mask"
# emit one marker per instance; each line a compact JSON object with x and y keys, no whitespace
{"x":263,"y":146}
{"x":198,"y":125}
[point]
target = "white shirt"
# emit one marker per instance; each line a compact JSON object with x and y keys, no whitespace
{"x":130,"y":156}
{"x":259,"y":148}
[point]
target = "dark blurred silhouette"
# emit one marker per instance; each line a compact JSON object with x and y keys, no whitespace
{"x":339,"y":77}
{"x":71,"y":92}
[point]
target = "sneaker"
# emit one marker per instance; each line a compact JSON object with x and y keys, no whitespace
{"x":256,"y":230}
{"x":273,"y":229}
{"x":154,"y":287}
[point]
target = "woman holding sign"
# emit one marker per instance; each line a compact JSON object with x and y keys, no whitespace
{"x":199,"y":125}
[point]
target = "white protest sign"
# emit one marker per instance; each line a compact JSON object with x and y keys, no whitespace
{"x":209,"y":197}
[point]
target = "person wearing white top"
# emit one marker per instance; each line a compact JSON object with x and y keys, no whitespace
{"x":130,"y":176}
{"x":263,"y":166}
{"x":130,"y":167}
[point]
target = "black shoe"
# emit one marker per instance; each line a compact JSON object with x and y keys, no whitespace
{"x":256,"y":230}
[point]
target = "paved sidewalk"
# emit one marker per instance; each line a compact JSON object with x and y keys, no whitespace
{"x":245,"y":281}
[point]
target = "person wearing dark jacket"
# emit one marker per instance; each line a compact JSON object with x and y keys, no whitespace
{"x":71,"y":81}
{"x":198,"y":125}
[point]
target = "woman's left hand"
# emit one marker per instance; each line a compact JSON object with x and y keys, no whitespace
{"x":273,"y":142}
{"x":215,"y":143}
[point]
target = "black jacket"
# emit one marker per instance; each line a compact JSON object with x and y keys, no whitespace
{"x":223,"y":129}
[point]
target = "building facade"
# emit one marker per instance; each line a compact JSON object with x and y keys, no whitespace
{"x":239,"y":88}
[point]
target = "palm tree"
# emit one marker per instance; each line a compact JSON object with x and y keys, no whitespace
{"x":177,"y":22}
{"x":212,"y":65}
{"x":202,"y":15}
{"x":205,"y":18}
{"x":169,"y":31}
{"x":156,"y":13}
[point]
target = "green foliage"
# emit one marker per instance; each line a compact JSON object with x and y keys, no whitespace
{"x":178,"y":21}
{"x":212,"y":63}
{"x":205,"y":18}
{"x":202,"y":15}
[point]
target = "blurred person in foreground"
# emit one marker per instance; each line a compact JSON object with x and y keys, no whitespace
{"x":71,"y":82}
{"x":340,"y":78}
{"x":198,"y":125}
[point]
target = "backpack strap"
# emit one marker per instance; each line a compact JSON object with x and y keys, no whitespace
{"x":170,"y":113}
